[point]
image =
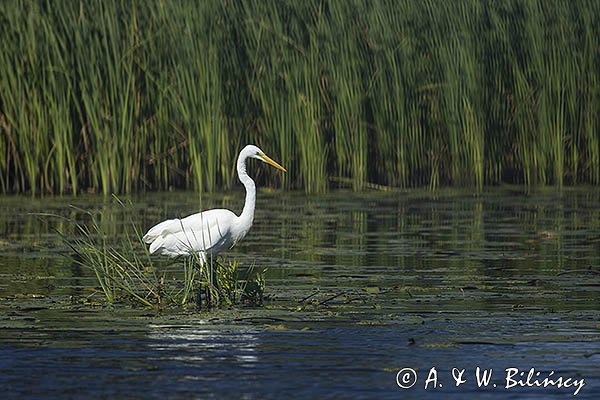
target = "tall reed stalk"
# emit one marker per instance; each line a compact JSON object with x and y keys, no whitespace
{"x":116,"y":96}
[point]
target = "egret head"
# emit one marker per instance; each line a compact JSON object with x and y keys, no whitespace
{"x":255,"y":152}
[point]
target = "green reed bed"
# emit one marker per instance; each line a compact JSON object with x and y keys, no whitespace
{"x":118,"y":96}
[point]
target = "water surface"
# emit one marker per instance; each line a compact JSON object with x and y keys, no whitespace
{"x":359,"y":287}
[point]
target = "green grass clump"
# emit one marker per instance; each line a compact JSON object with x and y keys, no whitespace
{"x":127,"y":273}
{"x":117,"y":97}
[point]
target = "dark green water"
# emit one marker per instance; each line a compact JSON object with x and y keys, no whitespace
{"x":359,"y":287}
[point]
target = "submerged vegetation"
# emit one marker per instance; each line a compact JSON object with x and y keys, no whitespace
{"x":126,"y":273}
{"x":117,"y":96}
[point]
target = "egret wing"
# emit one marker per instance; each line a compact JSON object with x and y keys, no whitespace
{"x":207,"y":232}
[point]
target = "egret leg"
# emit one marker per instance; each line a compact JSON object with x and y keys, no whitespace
{"x":199,"y":290}
{"x":209,"y":284}
{"x":199,"y":298}
{"x":208,"y":287}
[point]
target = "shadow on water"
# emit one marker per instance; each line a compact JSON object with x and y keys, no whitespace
{"x":358,"y":287}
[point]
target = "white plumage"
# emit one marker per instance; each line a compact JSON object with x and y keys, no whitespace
{"x":209,"y":232}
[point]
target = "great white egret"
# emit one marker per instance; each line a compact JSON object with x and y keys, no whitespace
{"x":209,"y":232}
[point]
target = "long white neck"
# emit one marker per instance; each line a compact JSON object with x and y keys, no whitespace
{"x":247,"y":215}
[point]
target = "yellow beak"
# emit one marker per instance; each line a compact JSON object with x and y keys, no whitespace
{"x":273,"y":163}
